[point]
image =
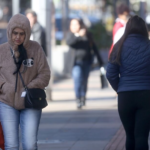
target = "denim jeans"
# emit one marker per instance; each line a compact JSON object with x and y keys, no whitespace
{"x":28,"y":119}
{"x":80,"y":74}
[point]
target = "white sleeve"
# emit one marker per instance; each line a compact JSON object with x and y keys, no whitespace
{"x":118,"y":35}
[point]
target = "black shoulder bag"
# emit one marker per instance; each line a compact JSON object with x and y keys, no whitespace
{"x":35,"y":97}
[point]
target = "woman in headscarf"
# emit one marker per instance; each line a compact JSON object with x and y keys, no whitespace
{"x":31,"y":62}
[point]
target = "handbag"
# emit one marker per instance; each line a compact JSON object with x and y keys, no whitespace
{"x":34,"y":97}
{"x":103,"y":80}
{"x":1,"y":138}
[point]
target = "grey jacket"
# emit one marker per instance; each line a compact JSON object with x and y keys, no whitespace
{"x":39,"y":36}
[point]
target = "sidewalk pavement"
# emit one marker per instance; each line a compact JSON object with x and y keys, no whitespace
{"x":64,"y":127}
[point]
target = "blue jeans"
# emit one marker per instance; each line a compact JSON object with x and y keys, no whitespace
{"x":80,"y":74}
{"x":28,"y":119}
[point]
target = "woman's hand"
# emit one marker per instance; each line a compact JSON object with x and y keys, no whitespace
{"x":82,"y":32}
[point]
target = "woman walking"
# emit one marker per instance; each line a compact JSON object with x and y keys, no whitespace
{"x":31,"y":63}
{"x":80,"y":40}
{"x":128,"y":72}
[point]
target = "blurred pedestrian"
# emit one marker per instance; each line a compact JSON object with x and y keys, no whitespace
{"x":80,"y":40}
{"x":6,"y":14}
{"x":119,"y":26}
{"x":37,"y":31}
{"x":15,"y":58}
{"x":128,"y":72}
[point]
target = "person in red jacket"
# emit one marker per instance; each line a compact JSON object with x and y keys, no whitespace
{"x":119,"y":26}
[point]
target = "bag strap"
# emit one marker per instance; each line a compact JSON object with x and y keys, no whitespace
{"x":17,"y":73}
{"x":22,"y":80}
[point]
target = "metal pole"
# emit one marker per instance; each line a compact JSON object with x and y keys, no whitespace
{"x":148,"y":6}
{"x":65,"y":12}
{"x":142,"y":8}
{"x":48,"y":43}
{"x":15,"y":6}
{"x":128,"y":3}
{"x":114,"y":6}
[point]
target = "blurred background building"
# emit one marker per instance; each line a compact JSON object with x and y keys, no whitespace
{"x":91,"y":11}
{"x":55,"y":15}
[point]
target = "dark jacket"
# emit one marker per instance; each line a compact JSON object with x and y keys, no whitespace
{"x":134,"y":71}
{"x":84,"y":48}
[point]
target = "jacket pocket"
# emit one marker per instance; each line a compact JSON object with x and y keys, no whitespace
{"x":8,"y":92}
{"x":1,"y":89}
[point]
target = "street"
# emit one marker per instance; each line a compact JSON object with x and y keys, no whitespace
{"x":64,"y":127}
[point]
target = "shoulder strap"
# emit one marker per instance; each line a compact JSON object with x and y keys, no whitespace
{"x":17,"y":73}
{"x":22,"y":80}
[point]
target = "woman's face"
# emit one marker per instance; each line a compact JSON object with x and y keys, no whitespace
{"x":74,"y":26}
{"x":18,"y":36}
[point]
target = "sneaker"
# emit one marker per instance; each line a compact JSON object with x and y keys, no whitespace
{"x":79,"y":105}
{"x":83,"y":101}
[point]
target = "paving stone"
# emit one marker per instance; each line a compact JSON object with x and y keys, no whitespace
{"x":67,"y":128}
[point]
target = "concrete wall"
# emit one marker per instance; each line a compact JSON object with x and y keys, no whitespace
{"x":62,"y":61}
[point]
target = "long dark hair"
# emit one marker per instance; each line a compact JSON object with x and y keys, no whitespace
{"x":83,"y":26}
{"x":81,"y":23}
{"x":135,"y":25}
